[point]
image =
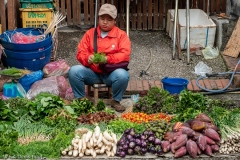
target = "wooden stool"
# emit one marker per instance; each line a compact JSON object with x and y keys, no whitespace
{"x":96,"y":88}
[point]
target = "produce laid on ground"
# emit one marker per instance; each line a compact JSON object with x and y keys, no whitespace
{"x":188,"y":124}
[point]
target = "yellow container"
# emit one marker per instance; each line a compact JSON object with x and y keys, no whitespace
{"x":36,"y":17}
{"x":0,"y":29}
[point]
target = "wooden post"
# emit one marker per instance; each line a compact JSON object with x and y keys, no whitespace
{"x":3,"y":15}
{"x":11,"y":14}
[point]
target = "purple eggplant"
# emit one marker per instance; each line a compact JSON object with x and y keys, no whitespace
{"x":146,"y":133}
{"x":125,"y":147}
{"x":143,"y":144}
{"x":137,"y":149}
{"x":127,"y":131}
{"x":137,"y":136}
{"x":157,"y":141}
{"x":159,"y":152}
{"x":152,"y":150}
{"x":138,"y":142}
{"x":129,"y":137}
{"x":151,"y":133}
{"x":143,"y":137}
{"x":130,"y":151}
{"x":132,"y":132}
{"x":122,"y":154}
{"x":143,"y":151}
{"x":151,"y":139}
{"x":132,"y":145}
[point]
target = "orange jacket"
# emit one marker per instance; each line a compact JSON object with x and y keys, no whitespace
{"x":116,"y":45}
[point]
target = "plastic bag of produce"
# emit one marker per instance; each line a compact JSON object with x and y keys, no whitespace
{"x":56,"y":68}
{"x":55,"y":85}
{"x":27,"y":80}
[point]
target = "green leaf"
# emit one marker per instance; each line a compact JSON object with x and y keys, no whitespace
{"x":69,"y":109}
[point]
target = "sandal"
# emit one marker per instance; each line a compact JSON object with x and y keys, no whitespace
{"x":117,"y":106}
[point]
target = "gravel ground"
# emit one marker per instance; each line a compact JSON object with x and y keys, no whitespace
{"x":142,"y":41}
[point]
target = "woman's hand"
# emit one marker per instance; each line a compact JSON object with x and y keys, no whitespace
{"x":90,"y":59}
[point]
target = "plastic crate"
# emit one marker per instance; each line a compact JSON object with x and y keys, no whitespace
{"x":23,"y":62}
{"x":36,"y":17}
{"x":37,"y":5}
{"x":25,"y":47}
{"x":36,"y":1}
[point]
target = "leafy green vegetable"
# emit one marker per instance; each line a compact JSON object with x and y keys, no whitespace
{"x":157,"y":100}
{"x":42,"y":104}
{"x":82,"y":106}
{"x":100,"y":105}
{"x":99,"y":58}
{"x":119,"y":126}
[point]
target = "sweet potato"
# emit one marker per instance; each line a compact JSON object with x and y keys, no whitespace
{"x":195,"y":137}
{"x":188,"y":131}
{"x":180,"y":141}
{"x":211,"y":133}
{"x":204,"y":118}
{"x":180,"y":152}
{"x":215,"y":148}
{"x":172,"y":147}
{"x":186,"y":125}
{"x":202,"y":142}
{"x":210,"y":125}
{"x":197,"y":125}
{"x":165,"y":146}
{"x":209,"y":141}
{"x":176,"y":126}
{"x":192,"y":148}
{"x":168,"y":135}
{"x":208,"y":150}
{"x":189,"y":121}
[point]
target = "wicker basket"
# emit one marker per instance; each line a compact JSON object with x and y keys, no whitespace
{"x":55,"y":45}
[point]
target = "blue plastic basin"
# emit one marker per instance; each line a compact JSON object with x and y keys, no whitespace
{"x":25,"y":47}
{"x":174,"y":85}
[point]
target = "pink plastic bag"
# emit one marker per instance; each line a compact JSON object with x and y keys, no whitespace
{"x":21,"y":38}
{"x":56,"y":68}
{"x":69,"y":94}
{"x":55,"y":85}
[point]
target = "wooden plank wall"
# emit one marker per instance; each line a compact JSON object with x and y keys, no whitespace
{"x":9,"y":14}
{"x":144,"y":14}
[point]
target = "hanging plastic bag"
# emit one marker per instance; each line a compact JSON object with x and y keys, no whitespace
{"x":210,"y":52}
{"x":201,"y":69}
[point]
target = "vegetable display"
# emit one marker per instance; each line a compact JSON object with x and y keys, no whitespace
{"x":196,"y":136}
{"x":186,"y":124}
{"x":93,"y":143}
{"x":140,"y":117}
{"x":14,"y":72}
{"x":132,"y":143}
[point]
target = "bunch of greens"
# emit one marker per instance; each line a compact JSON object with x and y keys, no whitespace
{"x":13,"y":108}
{"x":61,"y":119}
{"x":119,"y":126}
{"x":14,"y":72}
{"x":99,"y":58}
{"x":82,"y":106}
{"x":42,"y":105}
{"x":157,"y":100}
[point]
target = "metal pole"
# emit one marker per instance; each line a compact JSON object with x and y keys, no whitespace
{"x":127,"y":18}
{"x":96,"y":9}
{"x":188,"y":31}
{"x":175,"y":29}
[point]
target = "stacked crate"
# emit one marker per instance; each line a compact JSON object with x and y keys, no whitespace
{"x":38,"y":14}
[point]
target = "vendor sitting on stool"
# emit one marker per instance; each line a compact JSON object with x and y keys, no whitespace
{"x":115,"y":45}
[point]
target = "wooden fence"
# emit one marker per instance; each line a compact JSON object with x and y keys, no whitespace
{"x":144,"y":14}
{"x":9,"y":14}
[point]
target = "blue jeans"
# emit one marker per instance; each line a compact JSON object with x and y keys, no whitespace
{"x":79,"y":76}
